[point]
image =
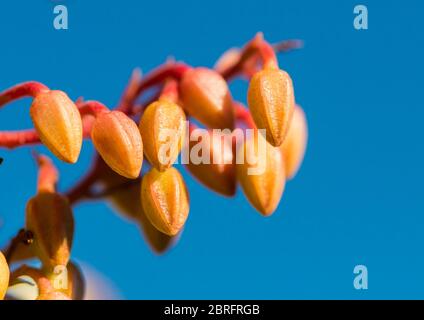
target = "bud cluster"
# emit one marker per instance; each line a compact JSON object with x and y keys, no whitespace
{"x":273,"y":132}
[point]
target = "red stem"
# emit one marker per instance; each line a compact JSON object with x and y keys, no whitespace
{"x":47,"y":174}
{"x":92,"y":108}
{"x":257,"y":46}
{"x":243,"y":114}
{"x":158,"y":76}
{"x":82,"y":188}
{"x":26,"y":89}
{"x":13,"y":139}
{"x":130,"y":93}
{"x":170,"y":90}
{"x":267,"y":53}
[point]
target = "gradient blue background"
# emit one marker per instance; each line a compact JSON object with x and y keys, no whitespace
{"x":358,"y":198}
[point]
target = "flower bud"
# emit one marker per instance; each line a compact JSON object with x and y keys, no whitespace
{"x":58,"y":124}
{"x":127,"y":202}
{"x":165,"y":200}
{"x":206,"y":97}
{"x":162,"y":129}
{"x":261,"y":173}
{"x":117,"y":139}
{"x":271,"y":102}
{"x":49,"y":217}
{"x":218,"y":173}
{"x":4,"y":276}
{"x":294,"y":146}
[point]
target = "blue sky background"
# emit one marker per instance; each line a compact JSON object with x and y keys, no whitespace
{"x":358,"y":198}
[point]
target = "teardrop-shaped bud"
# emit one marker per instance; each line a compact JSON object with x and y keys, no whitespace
{"x":294,"y":146}
{"x":165,"y":200}
{"x":58,"y":123}
{"x":206,"y":97}
{"x":49,"y":217}
{"x":117,"y":139}
{"x":212,"y":161}
{"x":126,"y":201}
{"x":260,"y":171}
{"x":162,"y":129}
{"x":4,"y":276}
{"x":271,"y":102}
{"x":158,"y":241}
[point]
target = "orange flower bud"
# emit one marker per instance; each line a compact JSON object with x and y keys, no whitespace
{"x":49,"y":218}
{"x":162,"y":129}
{"x":219,"y":175}
{"x":271,"y":102}
{"x":117,"y":139}
{"x":206,"y":97}
{"x":127,"y":202}
{"x":58,"y":123}
{"x":4,"y":276}
{"x":261,"y":174}
{"x":165,"y":200}
{"x":294,"y":145}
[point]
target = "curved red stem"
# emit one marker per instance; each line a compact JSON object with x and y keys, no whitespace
{"x":92,"y":108}
{"x":26,"y":89}
{"x":158,"y":76}
{"x":243,"y":114}
{"x":170,"y":90}
{"x":47,"y":174}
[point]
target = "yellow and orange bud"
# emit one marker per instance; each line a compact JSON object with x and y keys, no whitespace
{"x":158,"y":241}
{"x":206,"y":96}
{"x":58,"y":124}
{"x":165,"y":200}
{"x":49,"y":217}
{"x":4,"y":276}
{"x":220,"y":174}
{"x":271,"y":102}
{"x":126,"y":201}
{"x":294,"y":145}
{"x":117,"y":139}
{"x":162,"y":129}
{"x":261,"y":174}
